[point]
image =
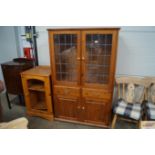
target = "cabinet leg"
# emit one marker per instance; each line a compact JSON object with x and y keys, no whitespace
{"x":9,"y":103}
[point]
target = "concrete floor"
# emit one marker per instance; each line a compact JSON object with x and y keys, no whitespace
{"x":39,"y":123}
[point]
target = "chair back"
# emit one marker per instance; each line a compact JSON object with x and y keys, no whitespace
{"x":151,"y":89}
{"x":132,"y":89}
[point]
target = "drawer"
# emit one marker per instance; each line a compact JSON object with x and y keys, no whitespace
{"x":96,"y":94}
{"x":67,"y":91}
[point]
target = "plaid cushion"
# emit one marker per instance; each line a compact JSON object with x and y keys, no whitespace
{"x":129,"y":110}
{"x":150,"y":110}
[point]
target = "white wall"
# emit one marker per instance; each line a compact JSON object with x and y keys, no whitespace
{"x":43,"y":45}
{"x":8,"y":47}
{"x":136,"y":50}
{"x":19,"y":42}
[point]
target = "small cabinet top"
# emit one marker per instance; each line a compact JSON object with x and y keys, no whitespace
{"x":38,"y":71}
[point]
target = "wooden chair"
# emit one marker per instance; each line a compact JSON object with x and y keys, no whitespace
{"x":150,"y":105}
{"x":131,"y":94}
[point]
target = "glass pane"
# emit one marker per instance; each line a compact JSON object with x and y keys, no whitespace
{"x":98,"y":55}
{"x":65,"y":57}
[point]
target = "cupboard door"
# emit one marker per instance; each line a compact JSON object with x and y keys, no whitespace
{"x":98,"y":58}
{"x":65,"y":57}
{"x":95,"y":111}
{"x":66,"y":108}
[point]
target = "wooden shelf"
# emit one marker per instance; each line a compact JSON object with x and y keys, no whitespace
{"x":39,"y":106}
{"x":37,"y":87}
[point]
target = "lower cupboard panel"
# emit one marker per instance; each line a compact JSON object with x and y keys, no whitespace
{"x":66,"y":108}
{"x":86,"y":111}
{"x":96,"y":112}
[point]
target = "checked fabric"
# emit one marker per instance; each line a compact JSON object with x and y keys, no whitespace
{"x":129,"y":110}
{"x":150,"y":108}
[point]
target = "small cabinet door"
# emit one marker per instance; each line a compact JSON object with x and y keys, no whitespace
{"x":98,"y":57}
{"x":65,"y":57}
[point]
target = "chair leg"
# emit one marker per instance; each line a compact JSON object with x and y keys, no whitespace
{"x":139,"y":124}
{"x":145,"y":118}
{"x":114,"y":121}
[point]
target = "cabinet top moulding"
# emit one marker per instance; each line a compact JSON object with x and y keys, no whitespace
{"x":38,"y":71}
{"x":84,"y":28}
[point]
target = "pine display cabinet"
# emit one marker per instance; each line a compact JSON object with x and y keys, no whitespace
{"x":37,"y":92}
{"x":83,"y":70}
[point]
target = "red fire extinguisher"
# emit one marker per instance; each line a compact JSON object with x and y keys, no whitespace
{"x":28,"y":53}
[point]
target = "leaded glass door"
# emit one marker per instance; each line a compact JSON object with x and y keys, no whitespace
{"x":97,"y":58}
{"x":66,"y":57}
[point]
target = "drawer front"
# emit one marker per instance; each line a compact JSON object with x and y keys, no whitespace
{"x":67,"y":91}
{"x":96,"y":94}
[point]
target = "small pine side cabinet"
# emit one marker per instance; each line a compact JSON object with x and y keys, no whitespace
{"x":83,"y":70}
{"x":37,"y":92}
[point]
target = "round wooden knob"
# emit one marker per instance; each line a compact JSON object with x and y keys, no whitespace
{"x":83,"y":108}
